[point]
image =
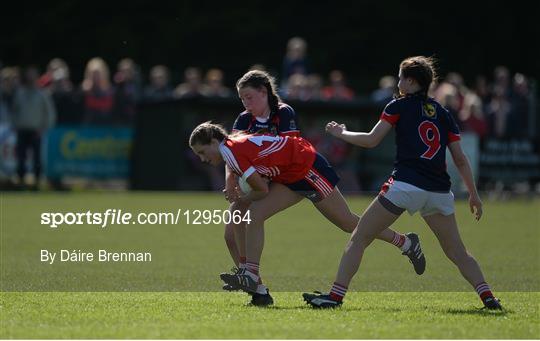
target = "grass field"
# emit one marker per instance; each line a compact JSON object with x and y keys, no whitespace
{"x":220,"y":315}
{"x":178,"y":294}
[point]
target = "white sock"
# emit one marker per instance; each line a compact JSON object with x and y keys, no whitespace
{"x":262,"y":289}
{"x":252,"y":275}
{"x":406,"y":245}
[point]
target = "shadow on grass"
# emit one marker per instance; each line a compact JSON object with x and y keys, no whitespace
{"x":478,"y":312}
{"x":344,"y":309}
{"x":470,"y":311}
{"x":277,"y":307}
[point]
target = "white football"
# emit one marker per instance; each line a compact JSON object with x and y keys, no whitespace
{"x":244,"y":186}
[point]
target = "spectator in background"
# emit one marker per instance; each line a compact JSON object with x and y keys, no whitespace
{"x":192,"y":85}
{"x":517,"y":122}
{"x":314,"y":87}
{"x":337,"y":89}
{"x":456,"y":80}
{"x":9,"y":82}
{"x":297,"y":87}
{"x":304,"y":88}
{"x":33,"y":114}
{"x":295,"y":60}
{"x":214,"y":86}
{"x":159,"y":88}
{"x":481,"y":88}
{"x":56,"y":70}
{"x":497,"y":111}
{"x":447,"y":95}
{"x":385,"y":92}
{"x":127,"y":91}
{"x":501,"y":80}
{"x":56,"y":81}
{"x":98,"y":93}
{"x":471,"y":117}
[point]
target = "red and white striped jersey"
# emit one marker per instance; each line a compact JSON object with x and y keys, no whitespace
{"x":284,"y":159}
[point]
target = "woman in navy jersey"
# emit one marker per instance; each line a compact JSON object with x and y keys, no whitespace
{"x":419,"y":182}
{"x":266,"y":113}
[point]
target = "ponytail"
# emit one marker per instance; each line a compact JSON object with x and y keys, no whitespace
{"x":421,"y":69}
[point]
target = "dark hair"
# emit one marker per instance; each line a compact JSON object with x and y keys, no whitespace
{"x":205,"y":132}
{"x":421,"y":69}
{"x":258,"y":79}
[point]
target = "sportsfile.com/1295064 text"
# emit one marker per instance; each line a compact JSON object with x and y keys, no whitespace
{"x":120,"y":217}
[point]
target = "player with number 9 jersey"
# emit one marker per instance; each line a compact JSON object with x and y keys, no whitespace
{"x":419,"y":181}
{"x":423,"y":131}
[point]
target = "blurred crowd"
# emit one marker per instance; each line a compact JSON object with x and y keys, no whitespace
{"x":497,"y":106}
{"x":31,"y":101}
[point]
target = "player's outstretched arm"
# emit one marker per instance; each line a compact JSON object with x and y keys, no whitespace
{"x":366,"y":140}
{"x":464,"y":168}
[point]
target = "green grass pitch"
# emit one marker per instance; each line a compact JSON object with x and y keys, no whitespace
{"x":178,"y":294}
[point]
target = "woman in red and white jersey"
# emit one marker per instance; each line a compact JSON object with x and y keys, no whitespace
{"x":283,"y":159}
{"x":290,"y":161}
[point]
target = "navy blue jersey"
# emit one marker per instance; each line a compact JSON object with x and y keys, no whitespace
{"x":282,"y":122}
{"x":423,"y":131}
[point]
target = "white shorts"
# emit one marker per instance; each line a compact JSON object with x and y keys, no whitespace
{"x":411,"y":198}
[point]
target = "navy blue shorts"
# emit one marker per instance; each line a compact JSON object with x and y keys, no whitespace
{"x":319,"y":182}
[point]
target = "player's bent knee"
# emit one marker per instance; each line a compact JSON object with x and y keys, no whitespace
{"x":362,"y":237}
{"x":359,"y":243}
{"x":348,"y":227}
{"x":349,"y":223}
